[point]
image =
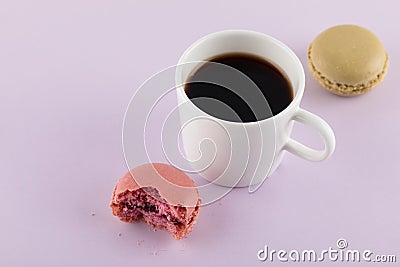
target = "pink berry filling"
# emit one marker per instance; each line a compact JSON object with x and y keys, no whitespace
{"x":146,"y":204}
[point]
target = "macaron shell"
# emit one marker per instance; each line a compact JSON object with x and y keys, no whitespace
{"x":348,"y":54}
{"x":172,"y":184}
{"x":343,"y":89}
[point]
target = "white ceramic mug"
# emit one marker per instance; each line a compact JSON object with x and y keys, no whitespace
{"x":244,"y":154}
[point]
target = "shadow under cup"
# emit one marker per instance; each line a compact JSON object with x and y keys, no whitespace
{"x":230,"y":153}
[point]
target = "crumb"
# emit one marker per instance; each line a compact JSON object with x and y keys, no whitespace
{"x":139,"y":242}
{"x":155,"y":230}
{"x":93,"y":213}
{"x":119,"y":234}
{"x":158,"y":251}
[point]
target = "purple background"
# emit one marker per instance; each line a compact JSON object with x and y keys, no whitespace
{"x":67,"y":72}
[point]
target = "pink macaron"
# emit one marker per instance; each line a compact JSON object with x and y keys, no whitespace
{"x":160,"y":195}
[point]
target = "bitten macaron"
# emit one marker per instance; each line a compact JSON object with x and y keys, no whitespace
{"x":347,"y":60}
{"x":159,"y":194}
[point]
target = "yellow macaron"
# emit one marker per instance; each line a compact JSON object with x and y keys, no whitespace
{"x":347,"y":60}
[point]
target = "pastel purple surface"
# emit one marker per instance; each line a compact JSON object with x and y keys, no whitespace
{"x":67,"y":72}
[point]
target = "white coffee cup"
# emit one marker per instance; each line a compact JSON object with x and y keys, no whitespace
{"x":244,"y":154}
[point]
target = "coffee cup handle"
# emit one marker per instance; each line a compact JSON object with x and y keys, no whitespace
{"x":322,"y":127}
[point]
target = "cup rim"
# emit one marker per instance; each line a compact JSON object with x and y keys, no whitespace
{"x":298,"y":92}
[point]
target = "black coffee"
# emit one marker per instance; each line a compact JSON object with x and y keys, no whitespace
{"x":240,"y":94}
